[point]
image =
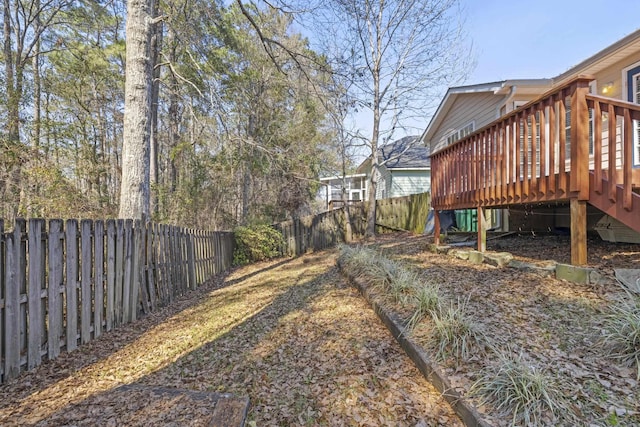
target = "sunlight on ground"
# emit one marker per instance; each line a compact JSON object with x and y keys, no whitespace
{"x":216,"y":315}
{"x":291,"y":335}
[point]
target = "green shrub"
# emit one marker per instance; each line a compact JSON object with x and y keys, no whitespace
{"x":256,"y":243}
{"x":514,"y":386}
{"x":455,"y":334}
{"x":622,"y":333}
{"x":426,"y":301}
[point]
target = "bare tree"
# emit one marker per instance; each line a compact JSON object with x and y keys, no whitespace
{"x":400,"y":54}
{"x":134,"y":190}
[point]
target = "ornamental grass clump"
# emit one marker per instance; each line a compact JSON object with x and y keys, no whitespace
{"x":426,"y":300}
{"x":402,"y":285}
{"x":358,"y":260}
{"x":369,"y":265}
{"x":528,"y":395}
{"x":622,"y":333}
{"x":454,"y":334}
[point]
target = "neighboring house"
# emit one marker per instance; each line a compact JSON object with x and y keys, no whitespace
{"x":331,"y":189}
{"x":493,"y":149}
{"x":405,"y":168}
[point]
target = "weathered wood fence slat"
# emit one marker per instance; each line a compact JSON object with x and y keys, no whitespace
{"x":64,"y":283}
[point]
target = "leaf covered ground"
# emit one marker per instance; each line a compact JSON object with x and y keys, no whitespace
{"x":555,"y":326}
{"x":291,"y":335}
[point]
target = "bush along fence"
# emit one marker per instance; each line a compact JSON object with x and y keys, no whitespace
{"x":64,"y":283}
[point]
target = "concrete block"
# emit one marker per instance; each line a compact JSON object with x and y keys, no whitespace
{"x":460,"y":254}
{"x":442,"y":249}
{"x":498,"y":259}
{"x":547,"y":270}
{"x":573,"y":273}
{"x":476,"y":257}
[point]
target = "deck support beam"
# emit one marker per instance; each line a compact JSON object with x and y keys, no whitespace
{"x":482,"y":231}
{"x":436,"y":227}
{"x":578,"y":210}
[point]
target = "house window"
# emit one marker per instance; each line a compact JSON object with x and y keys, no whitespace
{"x":461,"y":133}
{"x":633,"y":93}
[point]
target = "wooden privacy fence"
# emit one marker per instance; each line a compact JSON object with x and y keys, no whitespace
{"x":64,"y":283}
{"x":404,"y":213}
{"x":317,"y":232}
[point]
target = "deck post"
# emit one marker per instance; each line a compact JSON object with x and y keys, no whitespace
{"x":436,"y":227}
{"x":579,"y":178}
{"x":482,"y":231}
{"x":578,"y":231}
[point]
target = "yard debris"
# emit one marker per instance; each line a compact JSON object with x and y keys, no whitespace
{"x":289,"y":334}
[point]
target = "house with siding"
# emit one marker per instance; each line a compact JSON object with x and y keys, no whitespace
{"x":465,"y":109}
{"x":355,"y":190}
{"x":561,"y":151}
{"x":404,"y":168}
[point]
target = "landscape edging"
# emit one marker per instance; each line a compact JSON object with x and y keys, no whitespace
{"x":467,"y":413}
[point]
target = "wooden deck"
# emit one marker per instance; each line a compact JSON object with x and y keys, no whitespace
{"x":555,"y":148}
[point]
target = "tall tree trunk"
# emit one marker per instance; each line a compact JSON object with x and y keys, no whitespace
{"x":156,"y":46}
{"x":37,"y":86}
{"x":10,"y":153}
{"x":174,"y":116}
{"x":134,"y":190}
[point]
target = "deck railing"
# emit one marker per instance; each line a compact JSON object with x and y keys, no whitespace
{"x":543,"y":151}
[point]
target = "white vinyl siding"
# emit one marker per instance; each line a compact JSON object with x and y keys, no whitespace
{"x":479,"y":108}
{"x":405,"y":183}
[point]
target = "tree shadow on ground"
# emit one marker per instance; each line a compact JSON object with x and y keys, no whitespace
{"x":264,"y":314}
{"x":54,"y":372}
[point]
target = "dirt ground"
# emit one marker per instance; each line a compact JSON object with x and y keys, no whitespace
{"x":291,"y":335}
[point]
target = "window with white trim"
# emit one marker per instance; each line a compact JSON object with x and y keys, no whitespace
{"x":461,"y":133}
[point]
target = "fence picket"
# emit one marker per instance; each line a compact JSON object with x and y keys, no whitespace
{"x":128,"y":276}
{"x":34,"y":293}
{"x":98,"y":274}
{"x":117,"y":302}
{"x":85,"y":280}
{"x":111,"y":274}
{"x":56,"y":289}
{"x":12,"y":304}
{"x":71,"y":284}
{"x":143,"y":269}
